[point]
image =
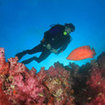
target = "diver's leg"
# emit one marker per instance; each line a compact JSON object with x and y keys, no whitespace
{"x":43,"y":56}
{"x":36,"y":49}
{"x":29,"y":60}
{"x":21,"y":54}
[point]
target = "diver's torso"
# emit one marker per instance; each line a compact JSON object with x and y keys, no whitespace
{"x":58,"y":41}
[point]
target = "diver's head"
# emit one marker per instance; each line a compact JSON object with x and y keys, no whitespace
{"x":69,"y":27}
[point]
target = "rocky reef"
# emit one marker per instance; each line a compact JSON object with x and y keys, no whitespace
{"x":60,"y":85}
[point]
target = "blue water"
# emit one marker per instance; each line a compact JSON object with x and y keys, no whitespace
{"x":23,"y":23}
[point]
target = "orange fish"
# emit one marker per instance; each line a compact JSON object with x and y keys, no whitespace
{"x":81,"y":53}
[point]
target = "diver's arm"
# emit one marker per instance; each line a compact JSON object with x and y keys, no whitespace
{"x":45,"y":41}
{"x":48,"y":46}
{"x":46,"y":36}
{"x":54,"y":51}
{"x":64,"y":46}
{"x":51,"y":49}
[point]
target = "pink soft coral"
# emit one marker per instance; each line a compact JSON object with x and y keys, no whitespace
{"x":4,"y":67}
{"x":30,"y":88}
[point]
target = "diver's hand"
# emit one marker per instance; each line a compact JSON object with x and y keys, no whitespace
{"x":54,"y":51}
{"x":48,"y":46}
{"x":51,"y":49}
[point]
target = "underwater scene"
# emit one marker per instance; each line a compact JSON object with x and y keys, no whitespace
{"x":52,"y":52}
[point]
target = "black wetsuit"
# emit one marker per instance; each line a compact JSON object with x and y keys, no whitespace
{"x":55,"y":37}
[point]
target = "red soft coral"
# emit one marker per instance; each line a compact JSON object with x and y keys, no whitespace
{"x":3,"y":97}
{"x":97,"y":86}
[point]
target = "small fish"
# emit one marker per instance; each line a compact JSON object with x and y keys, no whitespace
{"x":81,"y":53}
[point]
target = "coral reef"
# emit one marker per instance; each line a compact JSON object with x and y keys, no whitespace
{"x":59,"y":85}
{"x":20,"y":86}
{"x":96,"y":82}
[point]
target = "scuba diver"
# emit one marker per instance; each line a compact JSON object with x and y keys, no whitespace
{"x":55,"y":40}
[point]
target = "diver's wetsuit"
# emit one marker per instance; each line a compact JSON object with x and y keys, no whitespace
{"x":55,"y":37}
